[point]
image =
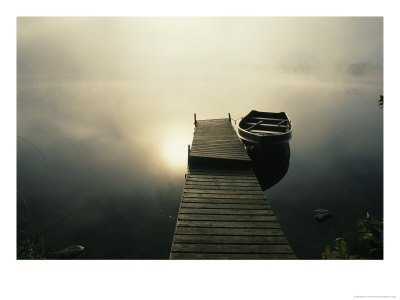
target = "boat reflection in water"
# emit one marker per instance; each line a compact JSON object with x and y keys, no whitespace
{"x":266,"y":136}
{"x":269,"y":162}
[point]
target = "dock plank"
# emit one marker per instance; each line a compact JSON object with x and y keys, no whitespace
{"x":225,"y":211}
{"x":222,"y":178}
{"x":226,"y":201}
{"x":231,"y":248}
{"x":216,"y":187}
{"x":226,"y":196}
{"x":235,"y":218}
{"x":230,"y":239}
{"x":231,"y":256}
{"x":223,"y":191}
{"x":227,"y":224}
{"x":225,"y":205}
{"x":228,"y":231}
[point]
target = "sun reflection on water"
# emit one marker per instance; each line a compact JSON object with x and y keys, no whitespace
{"x":175,"y":151}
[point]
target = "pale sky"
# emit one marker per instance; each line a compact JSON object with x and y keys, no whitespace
{"x":192,"y":48}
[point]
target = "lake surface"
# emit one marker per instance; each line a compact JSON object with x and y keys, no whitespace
{"x":104,"y":124}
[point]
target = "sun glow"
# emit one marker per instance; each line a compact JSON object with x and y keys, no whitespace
{"x":175,"y":151}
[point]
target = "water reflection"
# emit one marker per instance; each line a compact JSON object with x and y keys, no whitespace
{"x":270,"y":163}
{"x":174,"y":149}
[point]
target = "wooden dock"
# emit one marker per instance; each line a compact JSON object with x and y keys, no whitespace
{"x":224,"y":214}
{"x":215,"y":143}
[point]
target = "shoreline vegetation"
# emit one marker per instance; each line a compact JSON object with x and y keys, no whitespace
{"x":365,"y":243}
{"x":30,"y":240}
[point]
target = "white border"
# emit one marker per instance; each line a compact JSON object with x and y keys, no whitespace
{"x":196,"y":280}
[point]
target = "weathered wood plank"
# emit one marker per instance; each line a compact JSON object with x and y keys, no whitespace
{"x":207,"y":142}
{"x":223,"y":185}
{"x":214,"y":173}
{"x":233,"y":196}
{"x":225,"y":156}
{"x":230,"y":239}
{"x":215,"y":144}
{"x":222,"y":248}
{"x":225,"y":205}
{"x":217,"y":179}
{"x":227,"y":178}
{"x":216,"y":187}
{"x":236,"y":218}
{"x":227,"y":139}
{"x":210,"y":171}
{"x":218,"y":148}
{"x":234,"y":179}
{"x":222,"y":181}
{"x":245,"y":172}
{"x":221,"y":195}
{"x":229,"y":190}
{"x":223,"y":191}
{"x":214,"y":132}
{"x":223,"y":211}
{"x":201,"y":145}
{"x":220,"y":176}
{"x":219,"y":159}
{"x":217,"y":200}
{"x":217,"y":127}
{"x":219,"y":151}
{"x":233,"y":256}
{"x":233,"y":182}
{"x":225,"y":224}
{"x":228,"y":231}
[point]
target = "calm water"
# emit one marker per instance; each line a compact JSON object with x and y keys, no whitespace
{"x":111,"y":125}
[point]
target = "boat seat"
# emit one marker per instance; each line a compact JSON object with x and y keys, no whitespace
{"x":265,"y":132}
{"x":267,"y":124}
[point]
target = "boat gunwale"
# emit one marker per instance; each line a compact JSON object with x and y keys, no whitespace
{"x":251,"y":114}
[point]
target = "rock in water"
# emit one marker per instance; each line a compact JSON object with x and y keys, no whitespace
{"x":69,"y":252}
{"x":322,"y":216}
{"x":321,"y":211}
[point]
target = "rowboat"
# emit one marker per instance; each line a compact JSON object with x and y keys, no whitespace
{"x":262,"y":128}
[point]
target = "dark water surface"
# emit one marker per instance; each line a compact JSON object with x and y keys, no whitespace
{"x":109,"y":167}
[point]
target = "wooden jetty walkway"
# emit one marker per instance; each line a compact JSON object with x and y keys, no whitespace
{"x":224,"y":214}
